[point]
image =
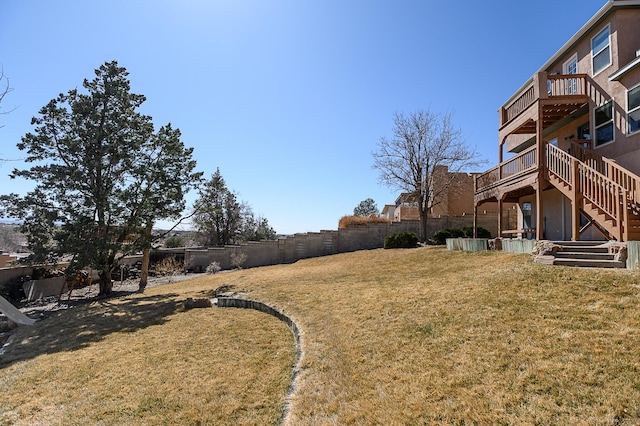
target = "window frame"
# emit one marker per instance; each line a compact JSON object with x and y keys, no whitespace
{"x":571,"y":85}
{"x":594,"y":54}
{"x":629,"y":111}
{"x":611,"y":122}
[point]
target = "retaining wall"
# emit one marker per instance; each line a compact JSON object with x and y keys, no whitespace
{"x":314,"y":244}
{"x":232,"y":302}
{"x":301,"y":246}
{"x":513,"y":245}
{"x":467,"y":244}
{"x":633,"y":255}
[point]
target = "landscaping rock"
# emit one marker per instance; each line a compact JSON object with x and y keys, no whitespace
{"x":619,"y":250}
{"x":197,"y":303}
{"x":545,"y":248}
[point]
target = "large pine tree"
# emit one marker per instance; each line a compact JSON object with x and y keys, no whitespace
{"x":102,"y":174}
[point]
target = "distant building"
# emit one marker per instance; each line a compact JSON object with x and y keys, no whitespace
{"x":387,"y":211}
{"x":456,"y":201}
{"x":6,"y":258}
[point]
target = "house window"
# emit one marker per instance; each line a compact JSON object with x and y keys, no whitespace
{"x":601,"y":51}
{"x":571,"y":67}
{"x":526,"y":216}
{"x":584,"y":133}
{"x":604,"y":123}
{"x":633,"y":109}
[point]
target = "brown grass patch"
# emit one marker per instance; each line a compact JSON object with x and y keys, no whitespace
{"x":420,"y":336}
{"x":142,"y":360}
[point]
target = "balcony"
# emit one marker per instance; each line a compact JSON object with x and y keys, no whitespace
{"x":544,"y":100}
{"x":514,"y":174}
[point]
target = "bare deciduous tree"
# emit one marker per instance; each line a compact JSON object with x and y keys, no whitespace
{"x":415,"y":160}
{"x":4,"y":89}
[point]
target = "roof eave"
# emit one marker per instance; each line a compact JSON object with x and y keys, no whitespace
{"x":591,"y":23}
{"x":604,"y":11}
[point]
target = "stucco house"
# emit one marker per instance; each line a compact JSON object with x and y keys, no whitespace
{"x":569,"y":138}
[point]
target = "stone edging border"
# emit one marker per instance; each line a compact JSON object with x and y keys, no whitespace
{"x":232,"y":302}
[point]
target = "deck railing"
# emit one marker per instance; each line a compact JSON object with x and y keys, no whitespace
{"x":519,"y":104}
{"x":488,"y":178}
{"x":601,"y":181}
{"x":543,"y":86}
{"x":522,"y":163}
{"x":567,"y":85}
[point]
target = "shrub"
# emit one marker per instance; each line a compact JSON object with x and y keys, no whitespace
{"x":440,"y":237}
{"x":169,"y":266}
{"x":401,"y":240}
{"x":348,"y":221}
{"x":482,"y":232}
{"x":213,"y":268}
{"x":238,"y":259}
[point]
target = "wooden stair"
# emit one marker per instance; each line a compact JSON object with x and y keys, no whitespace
{"x":590,"y":254}
{"x":606,"y":194}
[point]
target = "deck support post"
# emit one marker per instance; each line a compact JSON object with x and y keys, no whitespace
{"x":500,"y":216}
{"x":542,"y":157}
{"x":539,"y":211}
{"x":475,"y":220}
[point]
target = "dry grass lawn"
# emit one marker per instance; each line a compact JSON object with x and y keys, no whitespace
{"x":390,"y":337}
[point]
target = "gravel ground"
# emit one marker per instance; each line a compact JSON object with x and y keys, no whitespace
{"x":40,"y":308}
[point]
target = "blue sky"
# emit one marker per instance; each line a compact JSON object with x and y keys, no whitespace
{"x":288,"y":98}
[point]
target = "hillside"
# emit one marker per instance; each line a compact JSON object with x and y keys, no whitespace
{"x":420,"y":336}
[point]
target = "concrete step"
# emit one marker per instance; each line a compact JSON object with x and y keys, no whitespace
{"x":584,"y":255}
{"x":580,"y":243}
{"x":585,"y":249}
{"x":587,"y":263}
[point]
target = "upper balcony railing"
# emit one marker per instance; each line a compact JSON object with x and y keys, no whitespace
{"x":542,"y":86}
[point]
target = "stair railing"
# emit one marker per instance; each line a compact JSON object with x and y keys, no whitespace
{"x":604,"y":193}
{"x":609,"y":168}
{"x":559,"y":163}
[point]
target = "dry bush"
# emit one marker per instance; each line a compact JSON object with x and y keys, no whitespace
{"x":238,"y":259}
{"x":169,"y":266}
{"x":213,"y":268}
{"x":349,"y":221}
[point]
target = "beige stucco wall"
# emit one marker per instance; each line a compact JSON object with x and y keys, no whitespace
{"x":625,"y":41}
{"x":556,"y":207}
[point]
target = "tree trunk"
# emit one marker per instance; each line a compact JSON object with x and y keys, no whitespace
{"x":144,"y":270}
{"x":423,"y":227}
{"x":423,"y":222}
{"x":146,"y":253}
{"x":105,"y":283}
